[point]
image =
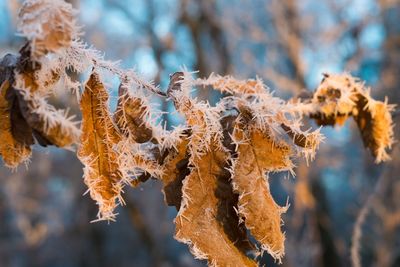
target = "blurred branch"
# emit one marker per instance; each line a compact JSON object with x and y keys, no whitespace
{"x":287,"y":25}
{"x":144,"y":233}
{"x":206,"y":21}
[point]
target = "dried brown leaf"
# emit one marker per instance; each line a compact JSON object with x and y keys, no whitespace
{"x":99,"y":135}
{"x":49,"y":25}
{"x":340,"y":96}
{"x":258,"y":154}
{"x":130,"y":116}
{"x":203,"y":221}
{"x":12,"y":149}
{"x":375,"y":124}
{"x":175,"y":169}
{"x":51,"y":126}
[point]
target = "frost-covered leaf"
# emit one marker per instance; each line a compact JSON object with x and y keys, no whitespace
{"x":258,"y":154}
{"x":206,"y":218}
{"x":49,"y":25}
{"x":51,"y":126}
{"x":131,"y":115}
{"x":341,"y":96}
{"x":376,"y":127}
{"x":12,"y":149}
{"x":136,"y":155}
{"x":99,"y":135}
{"x":29,"y":112}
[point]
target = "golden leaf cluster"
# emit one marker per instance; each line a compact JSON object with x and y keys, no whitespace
{"x":214,"y":168}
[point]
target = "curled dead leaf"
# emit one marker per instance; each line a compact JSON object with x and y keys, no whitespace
{"x":51,"y":126}
{"x":339,"y":97}
{"x":374,"y":121}
{"x":130,"y":116}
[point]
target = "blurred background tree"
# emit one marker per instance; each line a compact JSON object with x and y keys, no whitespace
{"x":44,"y":219}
